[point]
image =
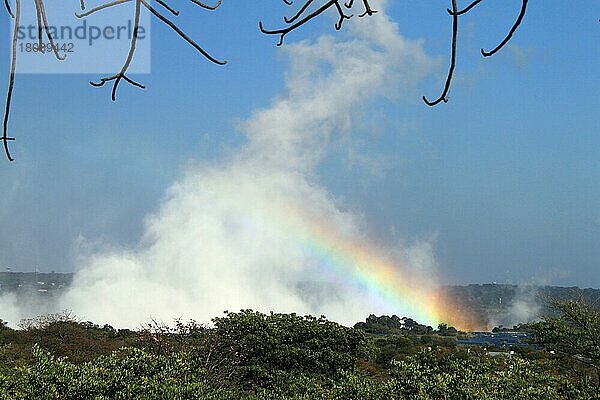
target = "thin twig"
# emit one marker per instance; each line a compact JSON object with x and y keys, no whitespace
{"x":368,"y":10}
{"x":466,"y":9}
{"x":40,"y":29}
{"x":510,"y":33}
{"x":284,"y":31}
{"x":206,"y":6}
{"x":452,"y":61}
{"x":343,"y":16}
{"x":7,"y":5}
{"x":101,"y":7}
{"x":182,"y":34}
{"x":167,"y":7}
{"x":47,"y":29}
{"x":11,"y":81}
{"x":299,"y":13}
{"x":116,"y":79}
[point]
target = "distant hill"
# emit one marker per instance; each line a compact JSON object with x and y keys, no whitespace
{"x":508,"y":305}
{"x":21,"y":282}
{"x":494,"y":304}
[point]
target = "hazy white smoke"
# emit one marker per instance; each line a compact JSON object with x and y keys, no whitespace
{"x":229,"y":236}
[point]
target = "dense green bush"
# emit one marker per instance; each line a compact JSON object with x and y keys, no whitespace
{"x":253,"y":356}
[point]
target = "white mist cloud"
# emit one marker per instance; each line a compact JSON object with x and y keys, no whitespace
{"x":235,"y":235}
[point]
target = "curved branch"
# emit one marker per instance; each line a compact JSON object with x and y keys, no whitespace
{"x":182,"y":34}
{"x":452,"y":62}
{"x":38,"y":15}
{"x":7,"y":5}
{"x":368,"y":10}
{"x":116,"y":79}
{"x":47,"y":29}
{"x":299,"y":13}
{"x":284,"y":31}
{"x":510,"y":33}
{"x":11,"y":81}
{"x":464,"y":10}
{"x":168,"y":8}
{"x":101,"y":7}
{"x":206,"y":6}
{"x":343,"y":16}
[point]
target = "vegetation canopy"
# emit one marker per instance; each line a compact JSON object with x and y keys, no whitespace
{"x":250,"y":355}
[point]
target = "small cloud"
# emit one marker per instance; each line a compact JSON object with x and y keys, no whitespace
{"x":521,"y":56}
{"x":375,"y":165}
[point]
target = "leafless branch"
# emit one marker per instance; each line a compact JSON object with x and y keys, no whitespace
{"x":206,"y":6}
{"x":42,"y":11}
{"x":368,"y":10}
{"x":284,"y":31}
{"x":466,"y":9}
{"x":38,"y":15}
{"x":101,"y":7}
{"x":7,"y":5}
{"x":116,"y":79}
{"x":11,"y":81}
{"x":299,"y":13}
{"x":305,"y":13}
{"x":452,"y":61}
{"x":510,"y":33}
{"x":167,"y":7}
{"x":122,"y":75}
{"x":182,"y":34}
{"x":343,"y":16}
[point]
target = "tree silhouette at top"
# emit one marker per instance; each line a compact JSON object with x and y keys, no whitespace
{"x":304,"y":14}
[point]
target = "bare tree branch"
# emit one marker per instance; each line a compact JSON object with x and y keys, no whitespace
{"x":291,"y":20}
{"x":116,"y":79}
{"x":182,"y":34}
{"x":38,"y":15}
{"x":284,"y":31}
{"x":101,"y":7}
{"x":47,"y":29}
{"x":206,"y":6}
{"x":11,"y":81}
{"x":368,"y":10}
{"x":464,"y":10}
{"x":452,"y":61}
{"x":7,"y":5}
{"x":299,"y":13}
{"x":305,"y":13}
{"x":343,"y":16}
{"x":167,"y":7}
{"x":510,"y":33}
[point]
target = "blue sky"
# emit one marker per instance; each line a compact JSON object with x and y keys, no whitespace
{"x":504,"y":177}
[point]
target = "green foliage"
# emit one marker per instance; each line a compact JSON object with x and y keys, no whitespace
{"x":268,"y":344}
{"x":253,"y":356}
{"x":125,"y":374}
{"x":385,"y":325}
{"x":430,"y":375}
{"x":574,"y":333}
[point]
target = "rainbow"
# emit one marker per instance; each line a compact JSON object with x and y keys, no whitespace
{"x":362,"y":264}
{"x":358,"y":262}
